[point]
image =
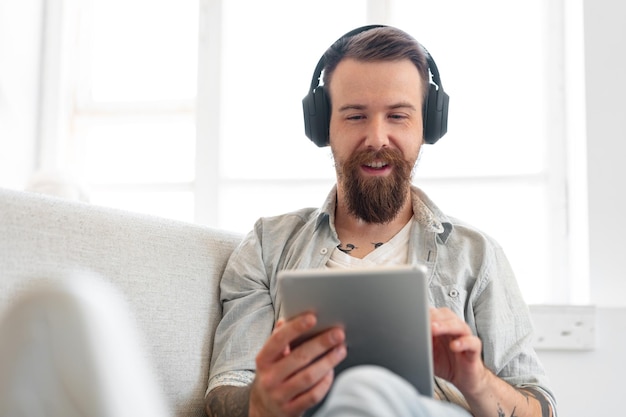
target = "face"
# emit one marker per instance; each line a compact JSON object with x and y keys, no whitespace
{"x":375,"y":135}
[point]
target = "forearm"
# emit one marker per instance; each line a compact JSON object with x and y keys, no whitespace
{"x":496,"y":398}
{"x":228,"y":401}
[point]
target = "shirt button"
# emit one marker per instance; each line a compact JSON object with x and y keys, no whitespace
{"x":453,"y":293}
{"x":324,"y":251}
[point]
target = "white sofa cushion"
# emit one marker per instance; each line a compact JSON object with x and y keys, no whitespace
{"x":168,"y":271}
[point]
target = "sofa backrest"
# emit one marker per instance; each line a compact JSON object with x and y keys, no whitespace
{"x":168,"y":271}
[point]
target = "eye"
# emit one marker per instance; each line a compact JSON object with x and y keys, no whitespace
{"x":398,"y":116}
{"x":355,"y":117}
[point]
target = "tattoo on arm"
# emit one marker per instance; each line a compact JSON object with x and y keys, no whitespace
{"x":501,"y":412}
{"x":228,"y":401}
{"x":529,"y":392}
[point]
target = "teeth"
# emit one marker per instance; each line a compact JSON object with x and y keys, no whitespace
{"x":377,"y":164}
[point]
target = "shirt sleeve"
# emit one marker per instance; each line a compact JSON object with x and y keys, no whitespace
{"x":247,"y":311}
{"x":232,"y":378}
{"x":474,"y":278}
{"x":503,"y":323}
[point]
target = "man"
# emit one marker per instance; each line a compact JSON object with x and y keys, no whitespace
{"x":376,"y":82}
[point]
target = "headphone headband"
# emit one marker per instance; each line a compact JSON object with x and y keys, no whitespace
{"x":316,"y":104}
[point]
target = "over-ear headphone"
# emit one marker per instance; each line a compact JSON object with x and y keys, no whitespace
{"x":316,"y":104}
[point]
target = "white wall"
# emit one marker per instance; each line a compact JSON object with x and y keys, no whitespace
{"x":605,"y":41}
{"x":20,"y":37}
{"x":590,"y":383}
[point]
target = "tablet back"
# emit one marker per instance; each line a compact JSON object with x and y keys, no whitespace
{"x":384,"y":311}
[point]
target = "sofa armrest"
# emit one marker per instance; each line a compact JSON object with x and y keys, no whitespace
{"x":168,"y":271}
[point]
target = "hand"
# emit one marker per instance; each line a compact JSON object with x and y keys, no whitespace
{"x":456,"y":351}
{"x":289,"y":381}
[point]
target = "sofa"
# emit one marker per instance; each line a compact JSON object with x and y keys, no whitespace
{"x":167,"y":272}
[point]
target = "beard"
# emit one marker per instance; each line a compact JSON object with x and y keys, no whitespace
{"x":375,"y":199}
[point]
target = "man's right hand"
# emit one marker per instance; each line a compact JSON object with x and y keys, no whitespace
{"x":289,"y":381}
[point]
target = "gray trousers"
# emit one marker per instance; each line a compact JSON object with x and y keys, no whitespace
{"x":371,"y":391}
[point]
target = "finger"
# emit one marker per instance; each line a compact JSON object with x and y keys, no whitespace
{"x":282,"y":336}
{"x":441,"y":314}
{"x":447,"y":323}
{"x":470,"y":345}
{"x":312,"y":351}
{"x":314,"y":348}
{"x":278,"y":324}
{"x":313,"y":396}
{"x":455,"y":328}
{"x":311,"y":382}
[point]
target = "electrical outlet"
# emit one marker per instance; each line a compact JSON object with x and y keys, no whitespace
{"x":564,"y":327}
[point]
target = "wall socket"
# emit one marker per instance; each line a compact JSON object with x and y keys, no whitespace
{"x":564,"y":327}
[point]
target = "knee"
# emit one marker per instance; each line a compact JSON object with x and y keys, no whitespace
{"x":374,"y":388}
{"x":369,"y":391}
{"x":367,"y":376}
{"x":372,"y":377}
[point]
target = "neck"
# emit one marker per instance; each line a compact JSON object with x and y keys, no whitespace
{"x":353,"y":230}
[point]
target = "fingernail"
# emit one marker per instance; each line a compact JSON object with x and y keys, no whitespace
{"x":336,"y":336}
{"x":340,"y":351}
{"x":308,"y":320}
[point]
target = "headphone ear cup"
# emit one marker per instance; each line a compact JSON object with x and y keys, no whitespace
{"x":436,"y":114}
{"x":316,"y":109}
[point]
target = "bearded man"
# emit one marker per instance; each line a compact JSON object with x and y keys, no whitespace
{"x":381,"y":108}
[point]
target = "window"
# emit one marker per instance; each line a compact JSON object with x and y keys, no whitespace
{"x":129,"y":97}
{"x":191,"y":109}
{"x":501,"y":166}
{"x":266,"y":162}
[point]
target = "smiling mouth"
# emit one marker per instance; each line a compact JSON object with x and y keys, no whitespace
{"x":376,"y":165}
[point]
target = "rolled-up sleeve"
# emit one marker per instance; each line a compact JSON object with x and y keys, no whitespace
{"x":248,"y":312}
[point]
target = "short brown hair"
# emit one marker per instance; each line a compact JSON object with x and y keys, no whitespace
{"x":378,"y":44}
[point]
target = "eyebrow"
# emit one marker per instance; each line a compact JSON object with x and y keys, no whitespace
{"x":400,"y":105}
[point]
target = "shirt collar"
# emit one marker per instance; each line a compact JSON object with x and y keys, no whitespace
{"x":425,"y":212}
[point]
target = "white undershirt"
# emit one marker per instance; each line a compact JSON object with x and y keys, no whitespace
{"x":394,"y":252}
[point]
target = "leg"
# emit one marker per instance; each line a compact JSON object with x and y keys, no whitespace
{"x":68,"y":348}
{"x":374,"y":391}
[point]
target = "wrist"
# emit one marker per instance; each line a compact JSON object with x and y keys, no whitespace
{"x":479,"y":385}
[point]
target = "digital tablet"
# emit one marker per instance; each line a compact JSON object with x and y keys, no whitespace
{"x":384,"y":311}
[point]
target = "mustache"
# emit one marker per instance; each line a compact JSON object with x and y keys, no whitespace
{"x":387,"y":155}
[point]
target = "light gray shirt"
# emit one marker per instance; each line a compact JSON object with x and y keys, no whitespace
{"x":468,"y":273}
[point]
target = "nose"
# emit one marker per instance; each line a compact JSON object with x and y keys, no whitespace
{"x":377,"y":136}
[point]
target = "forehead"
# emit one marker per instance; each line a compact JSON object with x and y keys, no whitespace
{"x":362,"y":83}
